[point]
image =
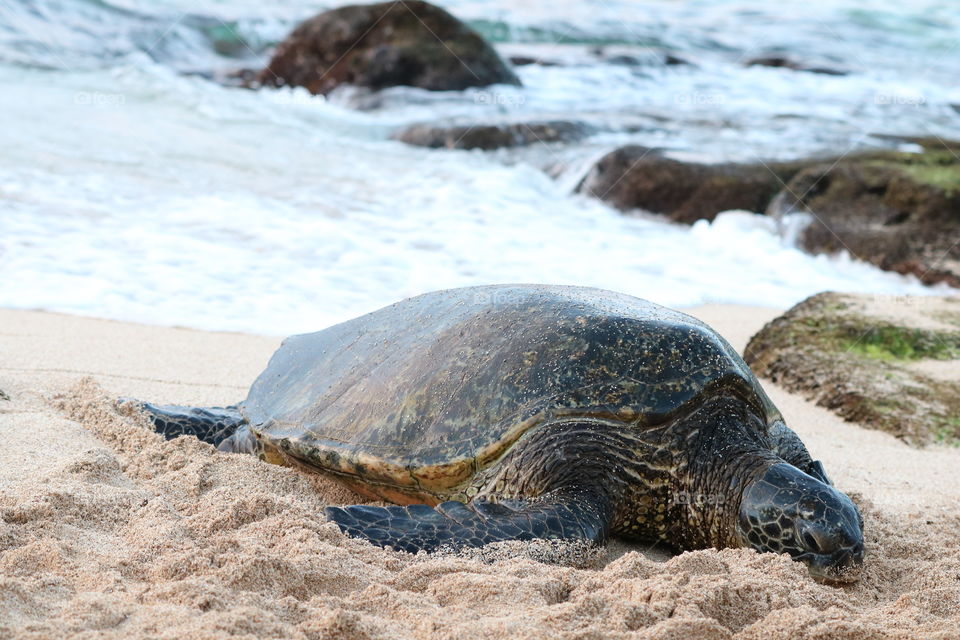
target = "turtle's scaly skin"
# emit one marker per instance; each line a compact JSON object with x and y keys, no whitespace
{"x":580,"y":412}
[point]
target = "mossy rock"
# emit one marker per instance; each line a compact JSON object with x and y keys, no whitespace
{"x":900,"y":211}
{"x":636,"y":177}
{"x":886,"y":362}
{"x":383,"y":45}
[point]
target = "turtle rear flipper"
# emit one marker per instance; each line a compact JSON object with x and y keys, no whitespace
{"x":210,"y":424}
{"x":456,"y":524}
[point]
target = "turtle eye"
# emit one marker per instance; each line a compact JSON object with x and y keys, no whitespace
{"x":819,"y":539}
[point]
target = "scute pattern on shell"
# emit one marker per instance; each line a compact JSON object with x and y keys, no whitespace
{"x":426,"y":392}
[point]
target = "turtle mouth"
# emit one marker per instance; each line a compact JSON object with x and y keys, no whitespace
{"x":843,"y":566}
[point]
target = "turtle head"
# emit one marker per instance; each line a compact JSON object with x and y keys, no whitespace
{"x":784,"y":510}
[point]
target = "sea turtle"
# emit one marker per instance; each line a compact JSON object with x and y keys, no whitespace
{"x":514,"y":412}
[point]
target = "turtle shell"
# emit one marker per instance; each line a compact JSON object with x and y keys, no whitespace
{"x":422,"y":394}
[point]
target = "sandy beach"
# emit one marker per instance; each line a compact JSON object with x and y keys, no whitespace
{"x":108,"y":531}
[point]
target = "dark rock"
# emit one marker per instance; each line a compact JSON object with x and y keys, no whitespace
{"x":671,"y":60}
{"x":628,"y":56}
{"x":382,"y":45}
{"x":492,"y":136}
{"x":874,"y":360}
{"x":3,"y":396}
{"x":625,"y":60}
{"x":522,"y":61}
{"x":786,"y":63}
{"x":899,"y":211}
{"x":641,"y":178}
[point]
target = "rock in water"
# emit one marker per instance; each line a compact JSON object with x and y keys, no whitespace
{"x":900,"y":211}
{"x":637,"y":177}
{"x":383,"y":45}
{"x":787,"y":63}
{"x":492,"y":136}
{"x":886,"y":362}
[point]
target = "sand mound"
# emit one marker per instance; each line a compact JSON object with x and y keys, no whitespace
{"x":144,"y":537}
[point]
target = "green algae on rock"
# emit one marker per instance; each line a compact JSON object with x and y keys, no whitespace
{"x":898,"y":210}
{"x":636,"y":177}
{"x":886,"y":362}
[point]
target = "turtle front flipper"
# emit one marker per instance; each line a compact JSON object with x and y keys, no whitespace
{"x":457,"y":524}
{"x":209,"y":424}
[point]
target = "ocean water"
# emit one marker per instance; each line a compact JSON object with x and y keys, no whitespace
{"x":133,"y":187}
